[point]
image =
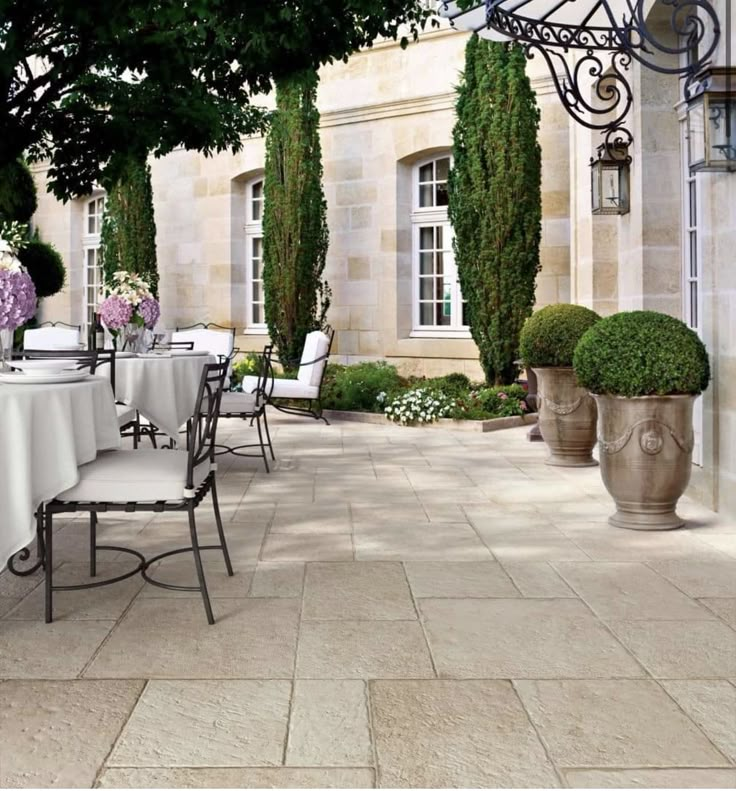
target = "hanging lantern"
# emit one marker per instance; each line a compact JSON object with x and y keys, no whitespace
{"x":711,"y":121}
{"x":609,"y":180}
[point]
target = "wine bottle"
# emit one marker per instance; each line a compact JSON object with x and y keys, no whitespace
{"x":91,"y":337}
{"x":99,"y":333}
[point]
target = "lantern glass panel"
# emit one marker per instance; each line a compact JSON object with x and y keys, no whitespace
{"x":722,"y":130}
{"x":696,"y":133}
{"x":595,"y":186}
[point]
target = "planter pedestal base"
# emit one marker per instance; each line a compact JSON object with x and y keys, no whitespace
{"x":570,"y":461}
{"x":638,"y":520}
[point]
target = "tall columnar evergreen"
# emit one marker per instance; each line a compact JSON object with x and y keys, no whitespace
{"x":128,"y":239}
{"x":295,"y":233}
{"x":495,"y":200}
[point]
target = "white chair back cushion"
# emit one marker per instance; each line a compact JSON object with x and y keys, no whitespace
{"x":316,"y":345}
{"x":51,"y":338}
{"x":215,"y":342}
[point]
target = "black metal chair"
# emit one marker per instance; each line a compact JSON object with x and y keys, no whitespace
{"x":252,"y":406}
{"x":149,"y":481}
{"x":187,"y":346}
{"x":308,"y":384}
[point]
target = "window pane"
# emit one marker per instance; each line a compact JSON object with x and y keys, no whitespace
{"x":693,"y":304}
{"x":425,"y":287}
{"x":447,"y":302}
{"x":256,"y":292}
{"x":257,"y":190}
{"x":425,"y":263}
{"x":426,"y":238}
{"x":257,"y":247}
{"x":442,"y":320}
{"x":257,"y":314}
{"x":442,"y":197}
{"x":426,"y":172}
{"x":91,"y":223}
{"x":425,"y":195}
{"x":440,"y":237}
{"x":693,"y":254}
{"x":426,"y":313}
{"x":440,"y":269}
{"x":443,"y":169}
{"x":693,"y":203}
{"x":256,"y":211}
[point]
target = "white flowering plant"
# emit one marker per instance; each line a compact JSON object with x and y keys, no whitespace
{"x":420,"y":405}
{"x":13,"y":237}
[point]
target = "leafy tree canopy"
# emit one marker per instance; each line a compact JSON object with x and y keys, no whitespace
{"x":85,"y":84}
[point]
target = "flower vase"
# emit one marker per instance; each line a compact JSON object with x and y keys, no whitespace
{"x":6,"y":349}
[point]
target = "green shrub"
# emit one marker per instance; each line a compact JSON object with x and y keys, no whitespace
{"x":490,"y":402}
{"x":450,"y":384}
{"x":250,"y":365}
{"x":45,"y":266}
{"x":364,"y":387}
{"x":17,"y":192}
{"x":641,"y":353}
{"x":549,"y":337}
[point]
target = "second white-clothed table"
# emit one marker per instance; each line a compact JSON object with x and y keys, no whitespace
{"x":47,"y":431}
{"x":162,"y":389}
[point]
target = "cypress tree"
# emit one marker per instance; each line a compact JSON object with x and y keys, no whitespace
{"x":128,"y":237}
{"x":495,"y":200}
{"x":295,"y":233}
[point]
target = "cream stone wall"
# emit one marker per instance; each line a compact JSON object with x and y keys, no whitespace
{"x":380,"y":113}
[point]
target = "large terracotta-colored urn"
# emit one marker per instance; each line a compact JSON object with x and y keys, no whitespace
{"x":646,"y":448}
{"x":567,"y":418}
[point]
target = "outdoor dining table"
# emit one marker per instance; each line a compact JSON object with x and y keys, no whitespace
{"x":162,"y":388}
{"x":47,"y":431}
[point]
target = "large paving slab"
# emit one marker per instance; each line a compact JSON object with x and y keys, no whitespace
{"x":263,"y":777}
{"x":455,"y":734}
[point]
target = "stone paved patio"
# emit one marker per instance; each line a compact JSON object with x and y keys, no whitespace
{"x":411,"y":607}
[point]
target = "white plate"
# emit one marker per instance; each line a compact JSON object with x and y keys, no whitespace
{"x":48,"y":366}
{"x":188,"y":353}
{"x":154,"y":355}
{"x":41,"y":378}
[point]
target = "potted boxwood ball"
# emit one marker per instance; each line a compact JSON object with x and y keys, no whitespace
{"x":645,"y":370}
{"x":567,"y":413}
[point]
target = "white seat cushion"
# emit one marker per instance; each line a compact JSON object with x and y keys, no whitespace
{"x":125,"y":476}
{"x":126,"y":414}
{"x":237,"y":403}
{"x":51,"y":338}
{"x":316,"y":345}
{"x":283,"y":388}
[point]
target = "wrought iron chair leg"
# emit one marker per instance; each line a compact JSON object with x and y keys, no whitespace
{"x":319,"y":414}
{"x":136,"y":431}
{"x":260,"y":440}
{"x":40,"y":540}
{"x":268,"y":435}
{"x":200,"y":569}
{"x":220,"y":530}
{"x":92,"y":544}
{"x":48,"y":528}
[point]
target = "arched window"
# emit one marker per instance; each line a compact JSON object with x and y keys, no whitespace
{"x":438,"y":303}
{"x":254,"y":253}
{"x":93,"y":210}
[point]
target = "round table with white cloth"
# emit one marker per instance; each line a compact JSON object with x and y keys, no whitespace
{"x":163,"y":389}
{"x":47,"y":431}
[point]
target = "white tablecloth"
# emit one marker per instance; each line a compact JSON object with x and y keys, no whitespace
{"x":46,"y":433}
{"x":162,"y":389}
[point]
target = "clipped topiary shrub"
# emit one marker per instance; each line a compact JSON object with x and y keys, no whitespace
{"x":45,"y":266}
{"x":17,"y":192}
{"x":364,"y":387}
{"x":549,"y":337}
{"x":641,"y":353}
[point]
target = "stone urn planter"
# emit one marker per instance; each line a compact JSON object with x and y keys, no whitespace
{"x":567,"y":413}
{"x":646,"y":369}
{"x":646,"y":450}
{"x":567,"y":418}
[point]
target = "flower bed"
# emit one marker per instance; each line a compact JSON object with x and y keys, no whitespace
{"x":378,"y":389}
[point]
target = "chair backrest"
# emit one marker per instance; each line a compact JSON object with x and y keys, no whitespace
{"x":184,"y":345}
{"x":314,"y":357}
{"x":219,"y":342}
{"x":203,"y":426}
{"x":66,"y":337}
{"x":264,"y":388}
{"x":93,"y":360}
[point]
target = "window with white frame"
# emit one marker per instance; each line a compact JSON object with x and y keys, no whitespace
{"x":93,"y":211}
{"x":438,"y":304}
{"x":254,"y":254}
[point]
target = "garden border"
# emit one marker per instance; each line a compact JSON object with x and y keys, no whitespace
{"x":484,"y":426}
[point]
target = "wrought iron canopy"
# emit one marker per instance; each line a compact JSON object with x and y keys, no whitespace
{"x":614,"y":30}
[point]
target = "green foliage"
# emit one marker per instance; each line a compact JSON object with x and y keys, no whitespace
{"x":550,"y":335}
{"x":495,"y":200}
{"x":17,"y":192}
{"x":250,"y":365}
{"x":128,"y":238}
{"x":489,"y":402}
{"x":641,"y":353}
{"x":295,"y":232}
{"x":136,"y":77}
{"x":364,"y":387}
{"x":452,"y":384}
{"x":45,"y":266}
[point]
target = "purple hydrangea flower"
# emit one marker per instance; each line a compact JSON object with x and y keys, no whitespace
{"x":115,"y":312}
{"x":17,"y":299}
{"x":149,"y":310}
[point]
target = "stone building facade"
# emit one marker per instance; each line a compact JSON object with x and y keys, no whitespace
{"x":386,"y":130}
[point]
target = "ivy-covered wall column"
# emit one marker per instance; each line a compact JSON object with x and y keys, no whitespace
{"x":295,"y":232}
{"x":128,"y":239}
{"x":495,"y":200}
